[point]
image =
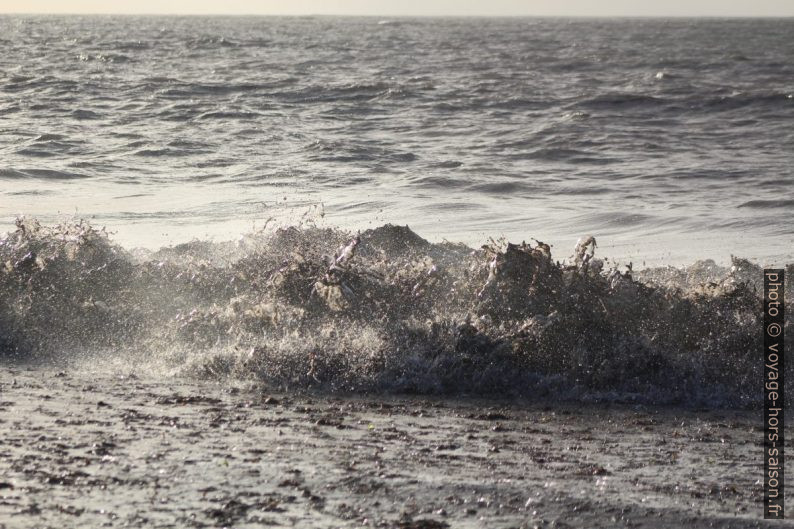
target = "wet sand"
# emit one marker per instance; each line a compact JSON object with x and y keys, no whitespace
{"x":113,"y":451}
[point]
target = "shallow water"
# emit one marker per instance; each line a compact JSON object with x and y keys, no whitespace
{"x":670,"y":140}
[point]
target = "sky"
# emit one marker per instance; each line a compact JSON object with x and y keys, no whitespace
{"x":716,"y":8}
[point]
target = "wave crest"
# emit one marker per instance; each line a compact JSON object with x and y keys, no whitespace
{"x":385,"y":310}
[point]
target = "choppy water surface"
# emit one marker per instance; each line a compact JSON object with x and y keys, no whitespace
{"x":670,"y":140}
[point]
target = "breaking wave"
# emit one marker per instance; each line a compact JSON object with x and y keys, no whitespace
{"x":385,"y":310}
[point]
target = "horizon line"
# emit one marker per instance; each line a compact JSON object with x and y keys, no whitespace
{"x":381,"y":16}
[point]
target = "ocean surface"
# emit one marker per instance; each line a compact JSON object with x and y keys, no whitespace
{"x":228,"y":197}
{"x":668,"y":140}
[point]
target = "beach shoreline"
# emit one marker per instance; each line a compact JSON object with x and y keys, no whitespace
{"x":114,"y":450}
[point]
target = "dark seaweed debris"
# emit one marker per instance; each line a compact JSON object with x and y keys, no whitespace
{"x":385,"y":310}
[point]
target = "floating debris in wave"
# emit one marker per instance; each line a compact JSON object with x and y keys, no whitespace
{"x":389,"y":311}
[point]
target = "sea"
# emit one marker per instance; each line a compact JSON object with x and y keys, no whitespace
{"x":517,"y":206}
{"x":669,"y":140}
